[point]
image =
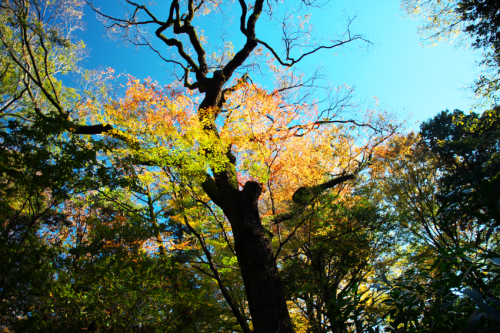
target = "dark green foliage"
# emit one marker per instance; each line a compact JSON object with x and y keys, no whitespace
{"x":468,"y":148}
{"x":482,"y":19}
{"x":452,"y":290}
{"x":453,"y":285}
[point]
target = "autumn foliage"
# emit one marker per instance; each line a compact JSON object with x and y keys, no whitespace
{"x":219,"y":204}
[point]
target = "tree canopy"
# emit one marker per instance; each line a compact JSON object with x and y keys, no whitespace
{"x":217,"y":204}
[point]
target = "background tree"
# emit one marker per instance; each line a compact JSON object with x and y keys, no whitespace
{"x":329,"y":271}
{"x":467,"y":146}
{"x":435,"y":189}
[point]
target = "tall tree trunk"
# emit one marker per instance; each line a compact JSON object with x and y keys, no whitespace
{"x":261,"y":279}
{"x":258,"y":267}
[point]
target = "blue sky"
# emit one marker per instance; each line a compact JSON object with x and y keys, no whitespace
{"x":403,"y":75}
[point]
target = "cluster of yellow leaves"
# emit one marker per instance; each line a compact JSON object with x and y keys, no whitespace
{"x":440,"y":21}
{"x":281,"y":145}
{"x":159,"y":124}
{"x":299,"y":321}
{"x":399,"y":146}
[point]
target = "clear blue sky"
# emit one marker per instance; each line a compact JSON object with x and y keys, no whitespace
{"x":403,"y":75}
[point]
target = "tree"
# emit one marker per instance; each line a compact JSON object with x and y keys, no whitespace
{"x":468,"y":148}
{"x":253,"y":249}
{"x":329,"y":270}
{"x":151,"y":119}
{"x":443,"y":191}
{"x":40,"y":165}
{"x":205,"y":164}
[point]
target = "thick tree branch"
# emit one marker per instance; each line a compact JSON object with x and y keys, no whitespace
{"x":174,"y":19}
{"x":188,"y":29}
{"x":108,"y":129}
{"x":252,"y":20}
{"x":278,"y":218}
{"x":210,"y":188}
{"x":243,"y":17}
{"x":93,"y":129}
{"x":190,"y":86}
{"x":179,"y":45}
{"x":304,"y":195}
{"x":251,"y":42}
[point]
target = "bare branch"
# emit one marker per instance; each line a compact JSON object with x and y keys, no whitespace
{"x":240,"y":57}
{"x":292,"y":61}
{"x":236,"y":311}
{"x":291,"y":40}
{"x":243,"y":16}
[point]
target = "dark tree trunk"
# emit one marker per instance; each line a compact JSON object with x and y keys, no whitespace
{"x":258,"y":267}
{"x":254,"y":252}
{"x":259,"y":271}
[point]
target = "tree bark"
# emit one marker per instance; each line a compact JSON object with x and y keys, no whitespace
{"x":260,"y":274}
{"x":261,"y":279}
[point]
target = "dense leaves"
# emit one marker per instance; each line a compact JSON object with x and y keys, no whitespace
{"x":446,"y":195}
{"x":223,"y":206}
{"x":468,"y":148}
